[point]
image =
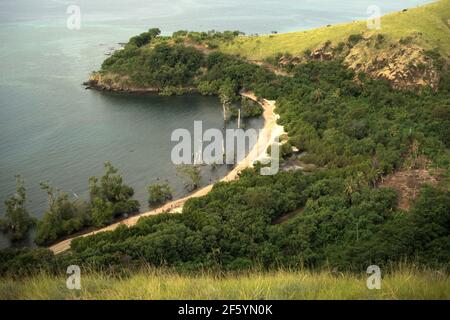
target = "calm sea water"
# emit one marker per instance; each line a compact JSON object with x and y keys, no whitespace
{"x":53,"y":129}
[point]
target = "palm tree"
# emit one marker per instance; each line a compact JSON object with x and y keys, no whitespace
{"x":318,"y":94}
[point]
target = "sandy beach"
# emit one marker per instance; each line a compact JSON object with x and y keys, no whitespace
{"x":267,"y":136}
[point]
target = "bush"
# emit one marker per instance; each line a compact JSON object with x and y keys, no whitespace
{"x":158,"y":194}
{"x":110,"y":198}
{"x":62,"y":218}
{"x":26,"y":261}
{"x":354,"y":39}
{"x":17,"y":220}
{"x":335,"y":216}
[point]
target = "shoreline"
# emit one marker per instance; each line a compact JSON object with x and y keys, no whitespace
{"x":270,"y":131}
{"x":95,"y":83}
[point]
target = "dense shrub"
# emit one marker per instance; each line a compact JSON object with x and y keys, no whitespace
{"x":158,"y":194}
{"x":109,"y":199}
{"x":26,"y":261}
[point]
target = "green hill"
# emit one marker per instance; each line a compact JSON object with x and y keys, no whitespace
{"x":428,"y":25}
{"x":410,"y":50}
{"x":364,"y":148}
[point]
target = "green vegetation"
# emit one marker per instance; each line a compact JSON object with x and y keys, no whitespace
{"x":365,"y":127}
{"x":426,"y":25}
{"x":231,"y":228}
{"x":162,"y":66}
{"x":16,"y":263}
{"x":210,"y":39}
{"x":144,"y":38}
{"x":352,"y":132}
{"x":250,"y":108}
{"x":175,"y":68}
{"x":62,"y":218}
{"x":17,"y":220}
{"x":357,"y":132}
{"x":158,"y":194}
{"x":149,"y":284}
{"x":109,"y":199}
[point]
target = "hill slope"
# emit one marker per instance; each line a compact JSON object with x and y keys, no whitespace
{"x":427,"y":24}
{"x":410,"y":50}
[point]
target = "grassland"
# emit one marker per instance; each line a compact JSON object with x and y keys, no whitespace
{"x":404,"y":283}
{"x":427,"y":26}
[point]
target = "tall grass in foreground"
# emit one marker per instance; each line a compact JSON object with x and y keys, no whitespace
{"x":403,"y":283}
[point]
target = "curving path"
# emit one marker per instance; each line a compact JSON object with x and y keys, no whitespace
{"x":267,"y":136}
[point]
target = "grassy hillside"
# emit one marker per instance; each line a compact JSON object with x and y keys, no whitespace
{"x":406,"y":283}
{"x":427,"y":24}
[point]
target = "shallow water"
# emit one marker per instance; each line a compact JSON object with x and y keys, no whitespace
{"x":53,"y":129}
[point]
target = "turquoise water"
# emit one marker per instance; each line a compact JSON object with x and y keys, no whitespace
{"x":53,"y":129}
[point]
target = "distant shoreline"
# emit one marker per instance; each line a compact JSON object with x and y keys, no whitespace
{"x":95,"y":84}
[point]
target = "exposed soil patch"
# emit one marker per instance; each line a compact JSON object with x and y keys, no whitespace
{"x":408,"y":183}
{"x":403,"y":64}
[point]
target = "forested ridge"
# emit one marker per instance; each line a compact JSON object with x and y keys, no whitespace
{"x":351,"y":131}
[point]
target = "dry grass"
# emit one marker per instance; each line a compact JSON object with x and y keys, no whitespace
{"x":404,"y":283}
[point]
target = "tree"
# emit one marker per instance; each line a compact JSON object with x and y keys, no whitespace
{"x":62,"y":218}
{"x":191,"y":175}
{"x":227,"y":93}
{"x":154,"y":32}
{"x":17,"y":220}
{"x":317,"y":95}
{"x":145,"y":38}
{"x":158,"y":194}
{"x":208,"y":88}
{"x":110,"y":197}
{"x":102,"y":212}
{"x":250,"y":108}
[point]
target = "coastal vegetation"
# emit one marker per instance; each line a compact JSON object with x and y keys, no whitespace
{"x":250,"y":108}
{"x":426,"y":26}
{"x":63,"y":216}
{"x":355,"y":130}
{"x":161,"y":66}
{"x":190,"y":175}
{"x":109,"y":199}
{"x":158,"y":194}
